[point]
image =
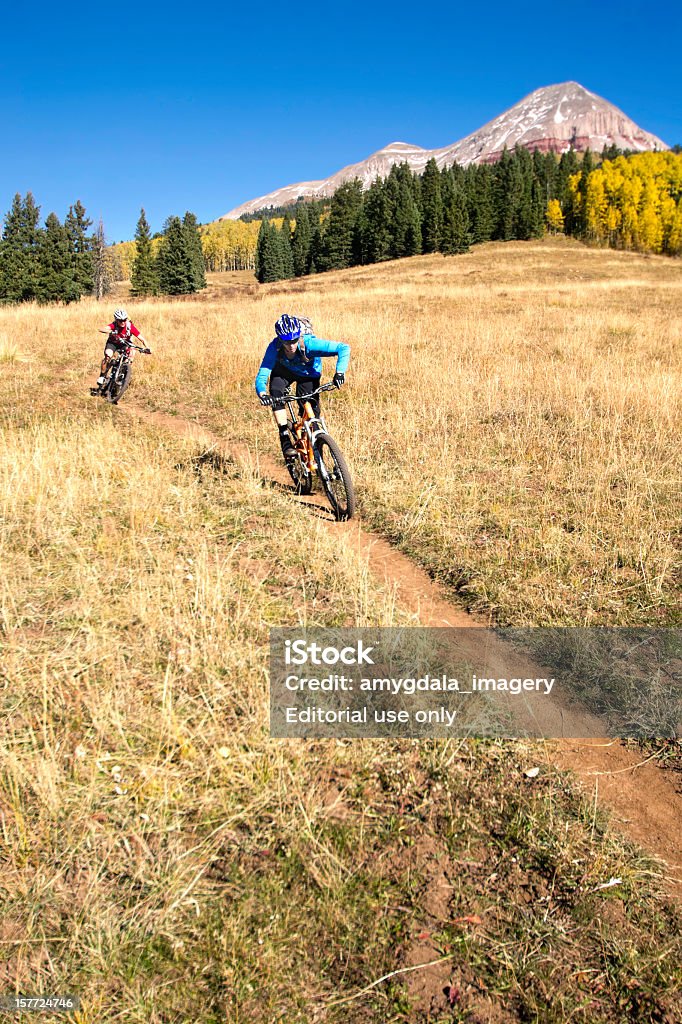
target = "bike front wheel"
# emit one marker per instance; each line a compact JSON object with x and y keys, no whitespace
{"x":335,"y":477}
{"x":118,"y":383}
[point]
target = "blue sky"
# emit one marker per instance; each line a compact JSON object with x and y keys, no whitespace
{"x":171,"y":108}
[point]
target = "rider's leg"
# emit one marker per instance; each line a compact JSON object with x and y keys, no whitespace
{"x":278,"y":385}
{"x":109,"y":353}
{"x":304,"y":387}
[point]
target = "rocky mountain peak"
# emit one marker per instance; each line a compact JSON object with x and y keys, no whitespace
{"x":555,"y":117}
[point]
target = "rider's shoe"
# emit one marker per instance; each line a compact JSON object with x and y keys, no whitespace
{"x":288,"y":449}
{"x":289,"y":453}
{"x":95,"y":391}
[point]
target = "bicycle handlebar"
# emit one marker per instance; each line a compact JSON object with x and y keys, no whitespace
{"x":138,"y":348}
{"x":288,"y":397}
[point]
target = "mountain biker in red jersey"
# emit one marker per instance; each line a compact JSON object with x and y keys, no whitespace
{"x":120,"y":331}
{"x":295,"y":356}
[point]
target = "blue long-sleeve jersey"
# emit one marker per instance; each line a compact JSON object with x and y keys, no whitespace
{"x":306,"y":361}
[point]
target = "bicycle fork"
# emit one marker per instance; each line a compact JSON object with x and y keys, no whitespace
{"x":305,"y":436}
{"x":314,"y":428}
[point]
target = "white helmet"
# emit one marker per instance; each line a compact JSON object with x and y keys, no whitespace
{"x":120,"y":314}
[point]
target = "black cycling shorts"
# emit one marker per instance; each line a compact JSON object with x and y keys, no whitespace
{"x":281,"y":378}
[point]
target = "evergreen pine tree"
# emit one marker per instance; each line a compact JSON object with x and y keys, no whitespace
{"x":195,"y":250}
{"x":524,"y":221}
{"x":144,"y":277}
{"x":431,"y":207}
{"x":339,"y":244}
{"x":174,"y":261}
{"x":508,"y":193}
{"x":260,"y":246}
{"x":404,"y":219}
{"x":406,"y":223}
{"x":544,"y":170}
{"x":413,"y":236}
{"x":477,"y":185}
{"x":610,"y":152}
{"x":269,"y":254}
{"x":456,"y":236}
{"x":300,"y":243}
{"x":19,"y":263}
{"x":80,"y":245}
{"x":375,"y":234}
{"x":568,"y":165}
{"x":315,"y":249}
{"x":576,"y":212}
{"x":285,"y":247}
{"x":56,"y":272}
{"x":538,"y":206}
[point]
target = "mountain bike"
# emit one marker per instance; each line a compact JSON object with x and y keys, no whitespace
{"x":317,"y":452}
{"x":120,"y":372}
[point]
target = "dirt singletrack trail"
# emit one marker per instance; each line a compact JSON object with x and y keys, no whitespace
{"x":645,"y":800}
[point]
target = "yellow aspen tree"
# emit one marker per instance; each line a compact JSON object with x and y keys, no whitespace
{"x":632,"y":193}
{"x":125,"y":252}
{"x":554,"y":216}
{"x":575,"y":199}
{"x":667,"y":214}
{"x":613,"y":222}
{"x":650,"y":229}
{"x":674,"y":246}
{"x":596,"y":205}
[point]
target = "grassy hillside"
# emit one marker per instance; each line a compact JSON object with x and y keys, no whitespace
{"x":511,"y":422}
{"x":513,"y":414}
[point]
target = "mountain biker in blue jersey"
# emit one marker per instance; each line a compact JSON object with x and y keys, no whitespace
{"x":295,"y":357}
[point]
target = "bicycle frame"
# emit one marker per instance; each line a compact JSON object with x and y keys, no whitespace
{"x":309,"y":425}
{"x":306,"y":426}
{"x":317,"y":453}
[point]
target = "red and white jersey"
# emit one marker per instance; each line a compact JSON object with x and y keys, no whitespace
{"x":123,"y":332}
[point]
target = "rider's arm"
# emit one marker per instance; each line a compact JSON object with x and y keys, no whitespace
{"x":266,"y":368}
{"x":321,"y":347}
{"x":105,"y":330}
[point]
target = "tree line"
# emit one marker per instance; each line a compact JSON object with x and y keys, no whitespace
{"x":174,"y":267}
{"x":628,"y":200}
{"x":52,"y":262}
{"x":631,"y":201}
{"x":61,"y":262}
{"x":628,"y":203}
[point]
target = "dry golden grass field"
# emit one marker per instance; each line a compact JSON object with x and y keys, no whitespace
{"x":512,"y":421}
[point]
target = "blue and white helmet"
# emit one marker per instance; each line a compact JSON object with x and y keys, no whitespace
{"x":288,"y":328}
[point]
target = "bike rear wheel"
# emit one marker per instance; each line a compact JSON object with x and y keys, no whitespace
{"x":335,"y":477}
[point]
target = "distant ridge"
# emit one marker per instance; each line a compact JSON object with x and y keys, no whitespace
{"x":555,"y":118}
